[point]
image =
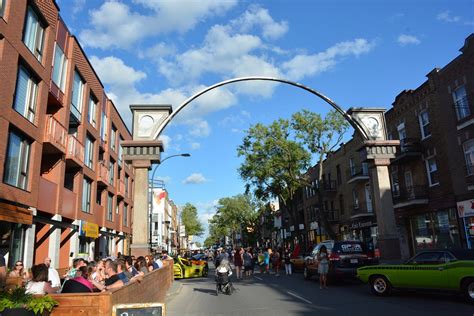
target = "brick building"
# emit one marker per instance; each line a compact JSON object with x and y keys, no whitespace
{"x":64,"y":189}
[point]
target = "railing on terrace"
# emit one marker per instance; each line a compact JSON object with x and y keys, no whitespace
{"x":55,"y":133}
{"x":75,"y":149}
{"x":414,"y":192}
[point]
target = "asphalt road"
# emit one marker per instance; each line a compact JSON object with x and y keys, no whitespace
{"x":292,"y":295}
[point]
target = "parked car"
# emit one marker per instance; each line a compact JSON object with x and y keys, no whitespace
{"x":298,"y":262}
{"x":344,"y":259}
{"x":184,"y":268}
{"x":449,"y":270}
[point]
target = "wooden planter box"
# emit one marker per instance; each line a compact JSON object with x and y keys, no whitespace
{"x":151,"y":289}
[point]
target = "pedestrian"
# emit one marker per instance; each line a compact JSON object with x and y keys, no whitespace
{"x":276,"y":259}
{"x":238,"y":262}
{"x":260,"y":260}
{"x":287,"y":260}
{"x":323,"y":266}
{"x":266,"y":260}
{"x":247,"y":258}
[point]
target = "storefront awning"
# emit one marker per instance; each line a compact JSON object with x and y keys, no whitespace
{"x":15,"y":214}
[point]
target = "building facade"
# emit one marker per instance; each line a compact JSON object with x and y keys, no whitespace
{"x":64,"y":191}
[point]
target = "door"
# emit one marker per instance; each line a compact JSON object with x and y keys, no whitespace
{"x":427,"y":270}
{"x":368,"y":198}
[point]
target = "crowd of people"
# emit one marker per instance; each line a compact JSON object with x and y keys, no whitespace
{"x":87,"y":276}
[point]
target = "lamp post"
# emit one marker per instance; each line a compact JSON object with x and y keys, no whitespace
{"x":150,"y":196}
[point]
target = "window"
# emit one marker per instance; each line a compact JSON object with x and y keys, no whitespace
{"x":26,"y":94}
{"x":77,"y":95}
{"x":352,"y":167}
{"x":120,"y":151}
{"x":395,"y":182}
{"x":103,"y":127}
{"x":2,"y":7}
{"x":126,"y":185}
{"x":424,"y":120}
{"x":111,"y":172}
{"x":428,"y":258}
{"x":34,"y":33}
{"x":460,"y":103}
{"x":341,"y":204}
{"x":91,"y":114}
{"x":117,"y":208}
{"x":355,"y":199}
{"x":59,"y":68}
{"x":86,"y":195}
{"x":110,"y":206}
{"x":432,"y":171}
{"x":469,"y":156}
{"x":125,"y":222}
{"x":113,"y":137}
{"x":17,"y":161}
{"x":338,"y":175}
{"x":89,"y":152}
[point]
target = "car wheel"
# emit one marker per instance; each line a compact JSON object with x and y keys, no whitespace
{"x":468,"y":290}
{"x":380,"y":286}
{"x":306,"y":273}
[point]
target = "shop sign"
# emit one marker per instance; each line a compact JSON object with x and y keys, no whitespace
{"x":301,"y":226}
{"x":466,"y":208}
{"x":313,"y":225}
{"x":359,"y":225}
{"x":87,"y":229}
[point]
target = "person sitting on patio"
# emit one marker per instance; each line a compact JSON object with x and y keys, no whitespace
{"x":113,"y":280}
{"x":79,"y":284}
{"x":39,"y":283}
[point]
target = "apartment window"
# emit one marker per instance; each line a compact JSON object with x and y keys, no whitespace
{"x":355,"y":199}
{"x":432,"y":171}
{"x":26,"y":94}
{"x":91,"y":114}
{"x":77,"y":93}
{"x":113,"y":137}
{"x":110,"y":206}
{"x":59,"y":68}
{"x":111,"y":172}
{"x":460,"y":103}
{"x":86,"y":195}
{"x":120,"y":151}
{"x":352,"y":167}
{"x":89,"y":152}
{"x":424,"y":121}
{"x":34,"y":33}
{"x":338,"y":175}
{"x":17,"y":161}
{"x":2,"y":7}
{"x":117,"y":208}
{"x":341,"y":204}
{"x":103,"y":127}
{"x":395,"y":182}
{"x":125,"y":214}
{"x":469,"y":156}
{"x":126,"y":185}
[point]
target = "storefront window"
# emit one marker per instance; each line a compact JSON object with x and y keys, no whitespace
{"x":11,"y":242}
{"x":435,"y":230}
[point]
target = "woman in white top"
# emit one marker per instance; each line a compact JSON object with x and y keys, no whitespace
{"x":39,"y":283}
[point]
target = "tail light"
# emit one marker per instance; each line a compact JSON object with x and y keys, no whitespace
{"x":334,"y":257}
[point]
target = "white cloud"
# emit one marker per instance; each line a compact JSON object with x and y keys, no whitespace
{"x":258,"y":16}
{"x":198,"y":127}
{"x":301,"y":66}
{"x":195,"y":145}
{"x":404,"y":39}
{"x":166,"y":141}
{"x":113,"y":71}
{"x":77,"y":6}
{"x":116,"y":25}
{"x":195,"y":178}
{"x":446,"y":16}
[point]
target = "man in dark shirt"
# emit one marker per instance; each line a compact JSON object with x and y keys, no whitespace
{"x":121,"y":271}
{"x":112,"y":281}
{"x":3,"y":271}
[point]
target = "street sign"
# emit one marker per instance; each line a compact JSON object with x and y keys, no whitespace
{"x":139,"y":309}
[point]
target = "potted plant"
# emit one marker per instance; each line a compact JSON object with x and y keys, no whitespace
{"x":17,"y":302}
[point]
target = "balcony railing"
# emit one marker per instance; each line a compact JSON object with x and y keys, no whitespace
{"x":55,"y":133}
{"x":358,"y":173}
{"x":121,"y":188}
{"x":410,"y":149}
{"x":359,"y":211}
{"x":103,"y":173}
{"x":462,"y":108}
{"x":75,"y":150}
{"x":415,"y":194}
{"x":329,"y":185}
{"x":332,"y":215}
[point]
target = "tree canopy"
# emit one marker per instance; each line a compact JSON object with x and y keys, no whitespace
{"x":190,"y":220}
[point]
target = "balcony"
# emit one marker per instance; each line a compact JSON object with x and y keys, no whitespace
{"x":414,"y":195}
{"x":410,"y":149}
{"x":329,"y":186}
{"x":358,"y":173}
{"x":55,"y":135}
{"x":121,"y":188}
{"x":102,"y":175}
{"x":359,"y":212}
{"x":47,"y":196}
{"x":75,"y":116}
{"x":56,"y":96}
{"x":75,"y":151}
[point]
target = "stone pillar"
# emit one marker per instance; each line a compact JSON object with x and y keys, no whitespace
{"x":140,"y":243}
{"x":388,"y":239}
{"x":54,"y":243}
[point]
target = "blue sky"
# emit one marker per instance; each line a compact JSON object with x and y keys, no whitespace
{"x":358,"y":53}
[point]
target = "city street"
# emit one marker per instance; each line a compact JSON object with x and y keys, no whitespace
{"x":292,"y":295}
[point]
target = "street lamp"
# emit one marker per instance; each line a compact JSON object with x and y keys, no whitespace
{"x":150,"y":195}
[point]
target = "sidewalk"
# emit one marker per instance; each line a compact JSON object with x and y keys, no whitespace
{"x":174,"y":290}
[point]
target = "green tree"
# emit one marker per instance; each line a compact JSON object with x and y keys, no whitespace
{"x":190,"y":220}
{"x":273,"y":163}
{"x":321,"y":136}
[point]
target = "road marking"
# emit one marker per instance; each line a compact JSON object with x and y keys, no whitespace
{"x":256,"y":277}
{"x":297,"y":296}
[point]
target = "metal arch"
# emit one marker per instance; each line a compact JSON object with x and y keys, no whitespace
{"x":355,"y":124}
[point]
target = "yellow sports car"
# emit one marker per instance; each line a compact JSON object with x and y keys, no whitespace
{"x":184,"y":268}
